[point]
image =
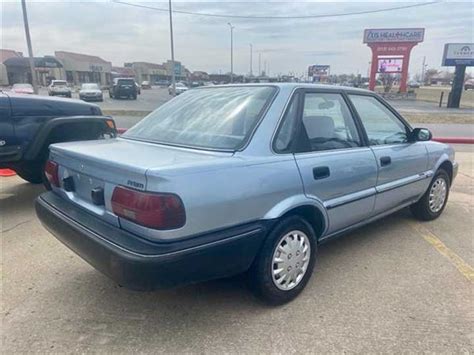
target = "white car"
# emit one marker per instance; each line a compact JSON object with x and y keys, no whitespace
{"x":91,"y":92}
{"x":59,"y":88}
{"x":180,"y":88}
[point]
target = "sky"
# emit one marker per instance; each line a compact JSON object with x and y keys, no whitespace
{"x":120,"y":33}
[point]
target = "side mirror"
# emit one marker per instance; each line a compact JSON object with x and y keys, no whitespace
{"x":421,"y":135}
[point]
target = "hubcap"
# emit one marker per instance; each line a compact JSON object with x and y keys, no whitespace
{"x":290,"y":260}
{"x":437,"y":195}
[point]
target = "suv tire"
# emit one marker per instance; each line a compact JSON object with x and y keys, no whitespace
{"x":277,"y":253}
{"x":432,"y":203}
{"x":32,"y":171}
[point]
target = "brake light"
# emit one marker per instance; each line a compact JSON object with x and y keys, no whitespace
{"x":51,"y":172}
{"x":153,"y":210}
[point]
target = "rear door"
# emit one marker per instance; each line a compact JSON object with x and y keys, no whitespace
{"x":9,"y":145}
{"x":335,"y":166}
{"x":402,"y":165}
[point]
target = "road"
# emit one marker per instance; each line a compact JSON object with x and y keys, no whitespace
{"x":395,"y":286}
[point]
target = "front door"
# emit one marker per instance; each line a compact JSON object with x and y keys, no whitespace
{"x":335,"y":166}
{"x":402,"y":165}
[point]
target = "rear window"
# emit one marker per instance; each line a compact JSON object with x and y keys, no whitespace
{"x":60,"y":83}
{"x":210,"y":118}
{"x":126,"y":82}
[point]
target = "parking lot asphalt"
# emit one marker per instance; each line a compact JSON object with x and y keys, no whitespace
{"x":397,"y":285}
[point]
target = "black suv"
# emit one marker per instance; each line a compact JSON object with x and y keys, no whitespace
{"x":123,"y":87}
{"x":30,"y":123}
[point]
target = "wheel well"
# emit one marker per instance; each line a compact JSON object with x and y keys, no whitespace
{"x":70,"y":132}
{"x":312,"y":214}
{"x":448,"y":167}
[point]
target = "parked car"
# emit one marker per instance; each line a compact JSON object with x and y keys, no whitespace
{"x":29,"y":124}
{"x":162,"y":83}
{"x":469,"y":84}
{"x":180,"y":88}
{"x":241,"y":178}
{"x":146,"y":85}
{"x":59,"y":88}
{"x":91,"y":92}
{"x":414,"y":84}
{"x":124,"y":87}
{"x":22,"y":88}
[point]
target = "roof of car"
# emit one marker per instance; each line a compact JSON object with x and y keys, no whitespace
{"x":301,"y":85}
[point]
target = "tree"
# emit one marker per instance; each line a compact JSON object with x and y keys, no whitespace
{"x":387,"y":81}
{"x":430,"y":74}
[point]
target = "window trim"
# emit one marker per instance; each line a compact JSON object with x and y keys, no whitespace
{"x":349,"y":108}
{"x":385,"y":104}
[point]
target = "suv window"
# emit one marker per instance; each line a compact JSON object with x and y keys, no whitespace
{"x":327,"y":123}
{"x":381,"y":125}
{"x":126,"y":82}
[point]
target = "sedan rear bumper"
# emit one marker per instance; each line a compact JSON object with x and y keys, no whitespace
{"x":140,"y":264}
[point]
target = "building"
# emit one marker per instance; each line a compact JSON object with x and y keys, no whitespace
{"x":180,"y":70}
{"x":46,"y":69}
{"x":122,"y":72}
{"x":83,"y":68}
{"x":4,"y":55}
{"x":145,"y":71}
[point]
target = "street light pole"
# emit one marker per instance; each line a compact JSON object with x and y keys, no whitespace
{"x":173,"y":78}
{"x":30,"y":48}
{"x":231,"y":52}
{"x":251,"y":49}
{"x":259,"y":64}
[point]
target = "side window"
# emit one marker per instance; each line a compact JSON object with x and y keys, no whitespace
{"x":327,"y":124}
{"x":381,"y":125}
{"x":283,"y":139}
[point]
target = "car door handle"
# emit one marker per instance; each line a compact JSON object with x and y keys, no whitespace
{"x":384,"y":161}
{"x":321,"y":172}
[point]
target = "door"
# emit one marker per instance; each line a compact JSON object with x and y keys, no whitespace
{"x":335,"y":166}
{"x":402,"y":165}
{"x":9,"y":147}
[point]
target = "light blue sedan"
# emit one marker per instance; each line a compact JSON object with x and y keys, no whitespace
{"x":242,"y":178}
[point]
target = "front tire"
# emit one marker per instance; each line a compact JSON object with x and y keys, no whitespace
{"x":433,"y":202}
{"x":33,"y":172}
{"x":285,"y":263}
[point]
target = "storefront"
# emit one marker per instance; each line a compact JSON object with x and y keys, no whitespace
{"x":83,"y":68}
{"x":46,"y":69}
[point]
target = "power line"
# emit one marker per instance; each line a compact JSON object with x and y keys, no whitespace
{"x":280,"y":17}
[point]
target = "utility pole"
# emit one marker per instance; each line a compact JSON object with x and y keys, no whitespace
{"x":30,"y":48}
{"x":251,"y":49}
{"x":231,"y":52}
{"x":173,"y":77}
{"x":259,"y":64}
{"x":423,"y":71}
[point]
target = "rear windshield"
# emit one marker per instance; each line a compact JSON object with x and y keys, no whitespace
{"x":59,"y":83}
{"x":90,"y":86}
{"x":210,"y":118}
{"x":126,"y":82}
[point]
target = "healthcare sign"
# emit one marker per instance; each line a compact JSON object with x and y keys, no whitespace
{"x":458,"y":54}
{"x":394,"y":35}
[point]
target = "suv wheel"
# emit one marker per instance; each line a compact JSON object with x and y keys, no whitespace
{"x":433,"y":202}
{"x":284,"y":265}
{"x":32,"y":171}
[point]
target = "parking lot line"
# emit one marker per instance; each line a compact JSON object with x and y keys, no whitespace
{"x":463,"y":267}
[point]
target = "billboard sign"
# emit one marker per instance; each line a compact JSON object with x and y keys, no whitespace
{"x":390,"y":65}
{"x":318,"y":70}
{"x":458,"y":54}
{"x":414,"y":35}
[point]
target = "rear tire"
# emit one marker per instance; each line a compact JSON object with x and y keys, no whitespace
{"x":286,"y":247}
{"x":33,"y":172}
{"x":433,"y":202}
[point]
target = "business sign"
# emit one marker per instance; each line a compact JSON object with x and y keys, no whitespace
{"x":394,"y":35}
{"x":390,"y":65}
{"x":318,"y":70}
{"x":458,"y":54}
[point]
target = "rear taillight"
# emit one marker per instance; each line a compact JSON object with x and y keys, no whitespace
{"x":51,"y":172}
{"x":153,"y":210}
